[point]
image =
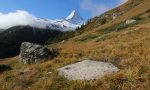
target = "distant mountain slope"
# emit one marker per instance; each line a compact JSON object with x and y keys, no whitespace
{"x":38,"y":32}
{"x":70,"y":23}
{"x":11,"y":39}
{"x":1,"y":30}
{"x":117,"y":15}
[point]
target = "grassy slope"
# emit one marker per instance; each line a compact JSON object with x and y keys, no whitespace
{"x":128,"y":49}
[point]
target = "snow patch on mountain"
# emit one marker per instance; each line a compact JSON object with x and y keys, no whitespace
{"x":25,"y":18}
{"x":75,"y":18}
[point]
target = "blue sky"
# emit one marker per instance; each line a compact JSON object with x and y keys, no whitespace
{"x":55,"y":9}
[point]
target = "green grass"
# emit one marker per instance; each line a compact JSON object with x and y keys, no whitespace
{"x":86,"y":38}
{"x":106,"y":37}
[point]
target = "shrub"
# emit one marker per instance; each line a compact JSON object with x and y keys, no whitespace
{"x":61,"y":37}
{"x":4,"y":68}
{"x":147,"y":11}
{"x":121,"y":27}
{"x":87,"y":37}
{"x":54,"y":52}
{"x":149,"y":16}
{"x":80,"y":29}
{"x":137,"y":18}
{"x":103,"y":20}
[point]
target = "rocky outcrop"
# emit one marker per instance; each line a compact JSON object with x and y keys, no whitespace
{"x":87,"y":70}
{"x":33,"y":53}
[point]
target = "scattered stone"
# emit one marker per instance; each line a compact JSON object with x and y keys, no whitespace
{"x":49,"y":73}
{"x":25,"y":71}
{"x":130,"y":21}
{"x":33,"y":53}
{"x":4,"y":68}
{"x":63,"y":41}
{"x":87,"y":70}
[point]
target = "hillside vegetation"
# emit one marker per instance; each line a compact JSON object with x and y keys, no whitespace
{"x":11,"y":38}
{"x":124,"y":45}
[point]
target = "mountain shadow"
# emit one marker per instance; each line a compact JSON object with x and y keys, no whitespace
{"x":11,"y":39}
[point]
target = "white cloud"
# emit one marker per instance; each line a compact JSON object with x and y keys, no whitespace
{"x":21,"y":17}
{"x":15,"y":18}
{"x":122,"y":2}
{"x":94,"y":8}
{"x":97,"y":8}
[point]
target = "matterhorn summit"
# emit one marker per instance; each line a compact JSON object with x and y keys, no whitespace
{"x":71,"y":22}
{"x":75,"y":18}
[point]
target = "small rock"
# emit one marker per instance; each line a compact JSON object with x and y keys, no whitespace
{"x":49,"y":73}
{"x":63,"y":41}
{"x":130,"y":21}
{"x":25,"y":71}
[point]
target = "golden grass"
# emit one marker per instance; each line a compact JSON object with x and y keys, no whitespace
{"x":128,"y":49}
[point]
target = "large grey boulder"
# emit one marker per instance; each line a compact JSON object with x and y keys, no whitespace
{"x":33,"y":53}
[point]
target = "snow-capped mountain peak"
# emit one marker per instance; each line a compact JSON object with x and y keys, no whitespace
{"x":72,"y":14}
{"x":25,"y":18}
{"x":75,"y":18}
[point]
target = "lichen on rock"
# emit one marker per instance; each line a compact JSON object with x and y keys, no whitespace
{"x":33,"y":53}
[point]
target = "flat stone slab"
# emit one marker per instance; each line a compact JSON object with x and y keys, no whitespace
{"x":87,"y":70}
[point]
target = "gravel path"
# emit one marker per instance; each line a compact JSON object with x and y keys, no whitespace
{"x":87,"y":70}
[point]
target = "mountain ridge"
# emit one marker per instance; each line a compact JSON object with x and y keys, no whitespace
{"x":29,"y":19}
